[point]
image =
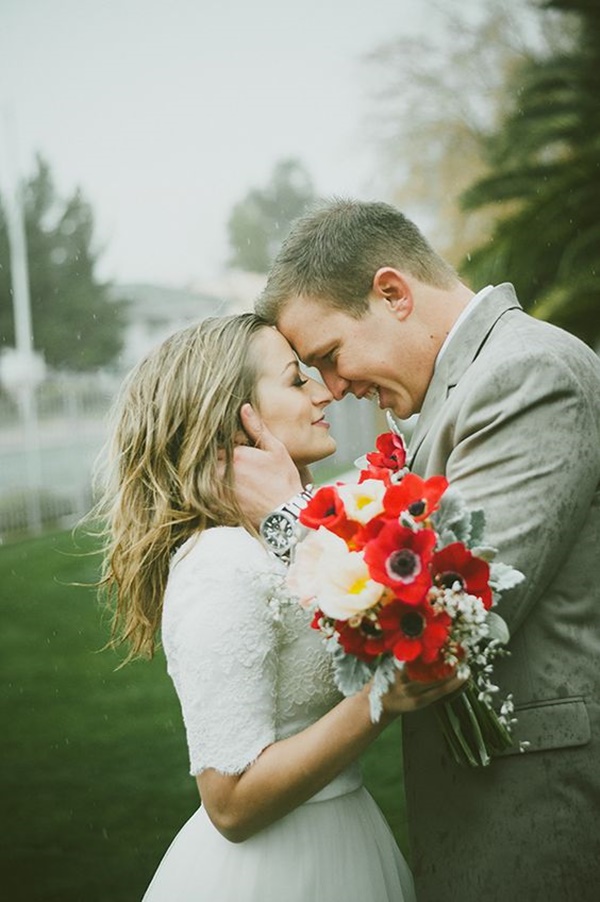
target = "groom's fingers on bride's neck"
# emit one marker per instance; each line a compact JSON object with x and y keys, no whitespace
{"x":261,"y":436}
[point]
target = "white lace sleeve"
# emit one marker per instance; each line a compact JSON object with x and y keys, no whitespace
{"x":219,"y":638}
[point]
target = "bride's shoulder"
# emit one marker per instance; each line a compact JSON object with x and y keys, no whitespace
{"x":213,"y":565}
{"x":220,"y":544}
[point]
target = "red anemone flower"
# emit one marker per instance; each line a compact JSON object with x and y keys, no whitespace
{"x":368,"y":532}
{"x":419,"y":497}
{"x":390,"y":454}
{"x":414,"y":632}
{"x":381,"y":473}
{"x":365,"y":640}
{"x":399,"y":558}
{"x":326,"y":508}
{"x":455,"y":564}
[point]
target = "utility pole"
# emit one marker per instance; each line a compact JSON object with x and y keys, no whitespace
{"x":21,"y":369}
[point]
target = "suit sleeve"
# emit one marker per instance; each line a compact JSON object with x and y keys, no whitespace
{"x":526,"y":451}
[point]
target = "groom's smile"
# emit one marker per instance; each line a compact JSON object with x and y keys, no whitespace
{"x":367,"y":356}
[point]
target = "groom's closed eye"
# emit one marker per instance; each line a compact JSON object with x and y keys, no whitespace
{"x":315,"y":357}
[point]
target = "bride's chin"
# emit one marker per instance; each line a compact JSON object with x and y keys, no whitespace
{"x":317,"y":456}
{"x":325,"y":454}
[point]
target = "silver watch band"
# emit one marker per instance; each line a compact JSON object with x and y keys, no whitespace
{"x":298,"y":502}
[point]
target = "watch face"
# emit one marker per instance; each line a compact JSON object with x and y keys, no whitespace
{"x":278,"y":532}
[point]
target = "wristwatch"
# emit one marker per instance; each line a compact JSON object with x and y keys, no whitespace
{"x":280,"y":529}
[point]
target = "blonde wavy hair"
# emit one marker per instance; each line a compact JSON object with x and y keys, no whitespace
{"x":160,"y":480}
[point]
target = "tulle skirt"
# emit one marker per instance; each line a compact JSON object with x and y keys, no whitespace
{"x":337,"y":850}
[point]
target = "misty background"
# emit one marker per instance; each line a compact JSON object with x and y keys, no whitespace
{"x":153,"y":154}
{"x":166,"y":111}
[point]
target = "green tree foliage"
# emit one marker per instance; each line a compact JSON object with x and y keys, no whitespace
{"x":75,"y":324}
{"x":545,"y":186}
{"x":433,"y":103}
{"x":259,"y":222}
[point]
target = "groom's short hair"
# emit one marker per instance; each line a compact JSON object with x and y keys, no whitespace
{"x":332,"y":253}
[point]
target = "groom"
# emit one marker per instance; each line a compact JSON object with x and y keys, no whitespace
{"x":510,"y":413}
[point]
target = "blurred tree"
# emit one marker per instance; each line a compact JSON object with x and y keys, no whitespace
{"x":75,"y":324}
{"x":259,"y":222}
{"x":435,"y":101}
{"x":545,"y":183}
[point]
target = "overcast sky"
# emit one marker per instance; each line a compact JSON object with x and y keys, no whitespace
{"x":165,"y":112}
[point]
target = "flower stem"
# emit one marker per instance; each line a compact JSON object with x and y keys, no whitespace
{"x":472,"y":728}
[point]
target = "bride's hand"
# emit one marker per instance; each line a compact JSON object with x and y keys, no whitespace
{"x":265,"y":475}
{"x":407,"y":695}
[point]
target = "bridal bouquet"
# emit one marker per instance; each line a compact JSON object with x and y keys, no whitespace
{"x":397,"y":575}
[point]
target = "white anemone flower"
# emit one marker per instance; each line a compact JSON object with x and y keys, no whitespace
{"x":363,"y":501}
{"x":304,"y":573}
{"x":347,"y":588}
{"x":327,"y":574}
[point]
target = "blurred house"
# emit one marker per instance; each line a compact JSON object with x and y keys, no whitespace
{"x":239,"y":288}
{"x":156,"y":311}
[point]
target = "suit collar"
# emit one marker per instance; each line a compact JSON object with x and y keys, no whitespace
{"x":460,"y":354}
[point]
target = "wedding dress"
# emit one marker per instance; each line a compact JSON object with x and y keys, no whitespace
{"x":249,"y":671}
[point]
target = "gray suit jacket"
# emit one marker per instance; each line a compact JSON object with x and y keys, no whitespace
{"x":512,"y":418}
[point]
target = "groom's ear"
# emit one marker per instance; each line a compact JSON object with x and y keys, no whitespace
{"x":393,"y":288}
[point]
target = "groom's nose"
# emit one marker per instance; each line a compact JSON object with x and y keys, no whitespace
{"x":336,"y":385}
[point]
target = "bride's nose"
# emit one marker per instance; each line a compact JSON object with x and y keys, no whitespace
{"x":321,"y":396}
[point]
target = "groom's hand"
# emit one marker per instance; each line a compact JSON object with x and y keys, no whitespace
{"x":265,"y":474}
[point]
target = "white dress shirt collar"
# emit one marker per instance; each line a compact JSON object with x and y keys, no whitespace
{"x":463,"y":316}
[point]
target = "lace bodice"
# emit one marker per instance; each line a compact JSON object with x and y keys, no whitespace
{"x":247,"y":668}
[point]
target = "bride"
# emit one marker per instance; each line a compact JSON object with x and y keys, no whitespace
{"x":273,"y":746}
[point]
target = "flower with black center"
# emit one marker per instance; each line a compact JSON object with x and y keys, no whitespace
{"x":399,"y":558}
{"x":361,"y":637}
{"x":455,"y":565}
{"x":326,"y":508}
{"x":414,"y":632}
{"x":416,"y":496}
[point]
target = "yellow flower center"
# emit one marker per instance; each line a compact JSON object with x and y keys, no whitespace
{"x":358,"y":586}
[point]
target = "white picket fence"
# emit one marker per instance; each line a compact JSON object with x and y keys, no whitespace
{"x":45,"y":469}
{"x":45,"y":478}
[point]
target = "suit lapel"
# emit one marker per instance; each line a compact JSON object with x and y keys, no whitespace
{"x":464,"y":347}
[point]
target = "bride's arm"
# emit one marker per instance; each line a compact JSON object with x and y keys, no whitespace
{"x":290,"y":771}
{"x":222,"y":645}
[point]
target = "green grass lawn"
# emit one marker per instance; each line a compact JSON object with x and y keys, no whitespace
{"x":93,"y":760}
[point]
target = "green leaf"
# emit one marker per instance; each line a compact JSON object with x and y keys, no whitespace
{"x":498,"y":629}
{"x":383,"y":678}
{"x":350,"y":674}
{"x":477,"y":528}
{"x":452,"y":520}
{"x":503,"y":577}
